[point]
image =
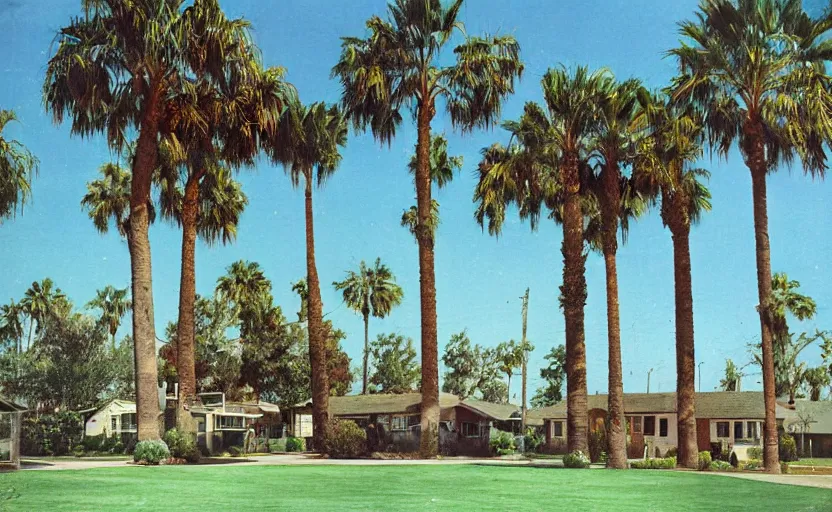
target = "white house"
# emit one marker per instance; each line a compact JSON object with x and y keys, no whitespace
{"x":116,"y":417}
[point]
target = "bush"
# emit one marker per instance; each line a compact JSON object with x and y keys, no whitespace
{"x":92,"y":443}
{"x":533,"y":441}
{"x":721,"y":465}
{"x":704,"y":461}
{"x":344,"y":439}
{"x":753,"y":464}
{"x":576,"y":459}
{"x":235,"y":451}
{"x":734,"y":461}
{"x":666,"y":463}
{"x":784,"y":468}
{"x":788,"y":448}
{"x":502,"y":444}
{"x":597,"y":445}
{"x":673,"y":452}
{"x":151,"y":452}
{"x":295,"y":444}
{"x":182,"y":445}
{"x":51,"y":434}
{"x":755,"y":452}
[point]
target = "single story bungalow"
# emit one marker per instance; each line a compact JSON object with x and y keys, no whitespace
{"x":10,"y":418}
{"x":811,"y":425}
{"x":466,"y":426}
{"x":116,"y":417}
{"x":728,"y":420}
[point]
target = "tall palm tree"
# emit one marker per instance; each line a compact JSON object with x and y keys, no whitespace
{"x":115,"y":69}
{"x":613,"y":142}
{"x":402,"y":64}
{"x":733,"y":377}
{"x":108,"y":197}
{"x":243,"y":285}
{"x":17,"y":165}
{"x":11,"y":323}
{"x":757,"y":69}
{"x":548,"y":167}
{"x":370,"y":291}
{"x":39,"y":301}
{"x":114,"y":303}
{"x":307,"y":144}
{"x":664,"y":171}
{"x":817,"y":379}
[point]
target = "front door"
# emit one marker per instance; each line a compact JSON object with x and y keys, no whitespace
{"x":635,"y":450}
{"x":703,"y":434}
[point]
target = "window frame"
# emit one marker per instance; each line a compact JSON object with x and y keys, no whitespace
{"x":466,"y":427}
{"x":727,"y":425}
{"x":398,"y":423}
{"x":652,"y":423}
{"x":664,"y":427}
{"x":741,"y":425}
{"x":557,"y":425}
{"x":114,"y":419}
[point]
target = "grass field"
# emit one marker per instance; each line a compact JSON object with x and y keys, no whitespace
{"x":394,"y":488}
{"x":814,"y":462}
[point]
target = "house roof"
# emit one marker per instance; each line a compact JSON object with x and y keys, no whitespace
{"x":6,"y":405}
{"x":817,"y":414}
{"x":717,"y":404}
{"x":362,"y":405}
{"x":500,"y":412}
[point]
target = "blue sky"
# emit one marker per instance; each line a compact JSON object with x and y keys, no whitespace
{"x":479,"y":278}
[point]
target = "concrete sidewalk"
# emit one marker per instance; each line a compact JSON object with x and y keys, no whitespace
{"x":819,"y":481}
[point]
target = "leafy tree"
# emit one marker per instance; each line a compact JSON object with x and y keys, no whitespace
{"x":123,"y":385}
{"x":17,"y":166}
{"x":816,"y":379}
{"x":117,"y":68}
{"x":757,"y":69}
{"x":664,"y":172}
{"x":338,"y":363}
{"x":791,"y":373}
{"x":733,"y":377}
{"x":395,"y":367}
{"x":472,"y":370}
{"x":554,"y":374}
{"x":509,"y":356}
{"x":548,"y":165}
{"x":401,"y":64}
{"x":307,"y":144}
{"x":114,"y":304}
{"x":11,"y":325}
{"x":39,"y":301}
{"x":370,"y":291}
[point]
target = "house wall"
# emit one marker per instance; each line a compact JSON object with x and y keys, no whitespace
{"x":739,"y":446}
{"x":557,"y":445}
{"x":821,"y":444}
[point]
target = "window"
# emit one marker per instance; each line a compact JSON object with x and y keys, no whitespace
{"x":229,"y":422}
{"x":752,"y":430}
{"x":662,"y":427}
{"x":128,"y":421}
{"x":200,"y":424}
{"x":399,"y":423}
{"x":635,"y":424}
{"x":558,"y":428}
{"x":738,"y":430}
{"x":113,"y":424}
{"x":649,"y":425}
{"x":470,"y":429}
{"x":722,"y":429}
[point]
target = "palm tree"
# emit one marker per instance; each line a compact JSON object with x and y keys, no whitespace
{"x":243,"y":285}
{"x":114,"y":304}
{"x":11,"y":323}
{"x":39,"y":301}
{"x":108,"y":197}
{"x":733,"y":377}
{"x":817,"y":379}
{"x":509,"y":355}
{"x":400,"y":65}
{"x":370,"y":291}
{"x":548,"y":166}
{"x":663,"y":171}
{"x":306,"y":144}
{"x":17,"y":165}
{"x":757,"y":69}
{"x":613,"y":141}
{"x":410,"y":218}
{"x":116,"y":69}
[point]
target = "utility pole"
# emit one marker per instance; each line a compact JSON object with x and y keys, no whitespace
{"x":648,"y":379}
{"x":699,"y":367}
{"x":525,"y":299}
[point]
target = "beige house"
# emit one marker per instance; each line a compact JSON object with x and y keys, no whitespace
{"x":116,"y":417}
{"x":730,"y":420}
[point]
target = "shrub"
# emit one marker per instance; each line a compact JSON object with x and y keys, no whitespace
{"x":182,"y":445}
{"x":755,"y":452}
{"x":597,"y":445}
{"x":721,"y":465}
{"x":502,"y":444}
{"x":788,"y":448}
{"x":704,"y":461}
{"x":576,"y":459}
{"x":734,"y":461}
{"x":784,"y":468}
{"x":345,"y":439}
{"x":533,"y":440}
{"x":78,"y":451}
{"x":753,"y":464}
{"x":151,"y":452}
{"x":658,"y":453}
{"x":235,"y":451}
{"x":51,"y":434}
{"x":672,"y":452}
{"x":666,"y":463}
{"x":92,"y":443}
{"x":295,"y":444}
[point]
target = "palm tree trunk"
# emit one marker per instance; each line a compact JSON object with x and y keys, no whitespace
{"x":757,"y":165}
{"x":427,"y":288}
{"x":616,"y":433}
{"x":317,"y":348}
{"x":366,"y":350}
{"x":185,"y":330}
{"x":508,"y":391}
{"x":688,"y":455}
{"x":144,"y":332}
{"x":29,"y":340}
{"x":113,"y":341}
{"x":574,"y":299}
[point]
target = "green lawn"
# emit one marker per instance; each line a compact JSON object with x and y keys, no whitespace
{"x":397,"y":488}
{"x":813,"y":462}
